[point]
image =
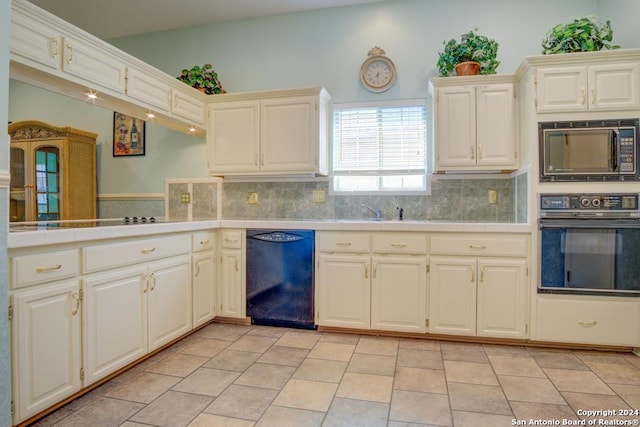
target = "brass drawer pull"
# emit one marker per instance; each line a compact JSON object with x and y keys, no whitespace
{"x":399,"y":245}
{"x":587,"y":324}
{"x":478,"y":247}
{"x":148,"y":251}
{"x":204,"y":242}
{"x":343,"y":243}
{"x":48,"y":269}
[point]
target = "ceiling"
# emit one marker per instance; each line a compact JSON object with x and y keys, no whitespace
{"x":118,"y":18}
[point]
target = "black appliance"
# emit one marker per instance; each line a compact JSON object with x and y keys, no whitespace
{"x":594,"y":150}
{"x":280,"y":278}
{"x":590,"y":243}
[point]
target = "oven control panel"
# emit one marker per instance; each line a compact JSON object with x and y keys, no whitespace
{"x":623,"y":202}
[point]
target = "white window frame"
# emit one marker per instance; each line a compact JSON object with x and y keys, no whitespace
{"x":380,"y":191}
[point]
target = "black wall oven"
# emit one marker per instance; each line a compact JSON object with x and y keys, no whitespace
{"x":590,"y":244}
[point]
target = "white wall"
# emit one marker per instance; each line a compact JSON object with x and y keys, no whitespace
{"x":169,"y":154}
{"x":327,"y":47}
{"x":623,"y":15}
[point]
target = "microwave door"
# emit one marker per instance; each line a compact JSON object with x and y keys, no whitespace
{"x":578,"y":151}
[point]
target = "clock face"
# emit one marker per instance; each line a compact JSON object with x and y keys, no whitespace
{"x":377,"y":74}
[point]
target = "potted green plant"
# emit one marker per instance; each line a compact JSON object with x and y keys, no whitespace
{"x":473,"y":48}
{"x":580,"y":35}
{"x":204,"y":78}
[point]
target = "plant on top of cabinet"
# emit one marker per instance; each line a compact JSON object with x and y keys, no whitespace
{"x":580,"y":35}
{"x":204,"y":78}
{"x":471,"y":48}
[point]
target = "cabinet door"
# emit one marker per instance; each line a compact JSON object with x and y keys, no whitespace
{"x":45,"y":346}
{"x":502,"y":298}
{"x":614,"y":87}
{"x":115,"y":319}
{"x":496,"y":144}
{"x":34,"y":42}
{"x":456,"y":126}
{"x":452,"y":296}
{"x":204,"y":288}
{"x":168,"y":300}
{"x":344,"y":291}
{"x":561,"y":89}
{"x":233,"y":137}
{"x":91,"y":64}
{"x":149,"y":90}
{"x":289,"y":135}
{"x":188,"y":107}
{"x":232,"y":289}
{"x":398,"y":293}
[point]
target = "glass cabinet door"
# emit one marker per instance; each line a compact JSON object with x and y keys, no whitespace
{"x":17,"y":196}
{"x":47,"y":169}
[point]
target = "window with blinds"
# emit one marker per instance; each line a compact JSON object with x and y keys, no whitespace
{"x":380,"y":147}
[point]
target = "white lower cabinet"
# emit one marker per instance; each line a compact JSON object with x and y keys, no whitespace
{"x":232,"y":286}
{"x":203,"y":277}
{"x":132,"y":311}
{"x":478,"y":295}
{"x":588,"y":320}
{"x":46,"y":346}
{"x":371,"y":281}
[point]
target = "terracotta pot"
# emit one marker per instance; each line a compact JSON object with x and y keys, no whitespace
{"x":468,"y":68}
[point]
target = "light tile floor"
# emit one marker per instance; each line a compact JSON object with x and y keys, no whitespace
{"x":236,"y":376}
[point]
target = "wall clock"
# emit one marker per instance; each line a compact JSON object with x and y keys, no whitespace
{"x":378,"y":73}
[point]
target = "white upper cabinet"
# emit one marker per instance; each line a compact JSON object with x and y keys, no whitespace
{"x":39,"y":43}
{"x":603,"y":87}
{"x":148,"y":89}
{"x":50,"y":53}
{"x":267,"y":133}
{"x":474,"y":121}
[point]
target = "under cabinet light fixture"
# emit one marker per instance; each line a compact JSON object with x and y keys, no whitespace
{"x":92,"y":95}
{"x":192,"y":129}
{"x":150,"y":115}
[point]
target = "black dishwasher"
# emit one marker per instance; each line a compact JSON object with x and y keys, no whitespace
{"x":280,"y":277}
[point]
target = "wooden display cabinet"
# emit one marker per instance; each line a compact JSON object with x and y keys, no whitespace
{"x":53,"y":172}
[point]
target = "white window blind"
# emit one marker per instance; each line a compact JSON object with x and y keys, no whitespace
{"x":379,"y":147}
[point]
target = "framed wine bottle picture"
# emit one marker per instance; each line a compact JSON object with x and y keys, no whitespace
{"x":128,"y":135}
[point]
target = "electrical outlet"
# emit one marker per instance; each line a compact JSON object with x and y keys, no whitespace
{"x":318,"y":196}
{"x":252,"y":198}
{"x":185,"y":198}
{"x":493,"y":197}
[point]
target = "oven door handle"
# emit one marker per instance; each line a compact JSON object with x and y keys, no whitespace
{"x":589,"y":223}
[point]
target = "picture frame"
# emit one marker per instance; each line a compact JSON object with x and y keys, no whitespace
{"x":128,"y":135}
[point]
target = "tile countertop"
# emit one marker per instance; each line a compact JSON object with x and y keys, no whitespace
{"x":24,"y":239}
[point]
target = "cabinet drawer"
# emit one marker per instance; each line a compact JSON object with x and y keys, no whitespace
{"x":399,"y":243}
{"x":478,"y":244}
{"x":343,"y":242}
{"x":95,"y":258}
{"x":605,"y":322}
{"x":40,"y":268}
{"x":232,"y":239}
{"x":203,"y":241}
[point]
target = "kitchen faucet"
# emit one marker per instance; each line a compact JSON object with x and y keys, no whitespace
{"x":377,"y":212}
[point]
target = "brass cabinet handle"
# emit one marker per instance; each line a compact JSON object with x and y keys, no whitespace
{"x":584,"y":97}
{"x":366,"y":271}
{"x":148,"y":250}
{"x":70,"y":50}
{"x":399,"y":245}
{"x":54,"y":43}
{"x":481,"y":274}
{"x":155,"y":282}
{"x":343,"y":243}
{"x":480,"y":151}
{"x":473,"y":152}
{"x":593,"y":96}
{"x":587,"y":323}
{"x":48,"y":269}
{"x":76,"y":298}
{"x":478,"y":247}
{"x":197,"y":269}
{"x":473,"y":275}
{"x":237,"y":268}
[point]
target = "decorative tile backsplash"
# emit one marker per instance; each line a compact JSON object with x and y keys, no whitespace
{"x":451,"y":199}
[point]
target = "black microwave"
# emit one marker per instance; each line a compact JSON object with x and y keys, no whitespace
{"x":594,"y":150}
